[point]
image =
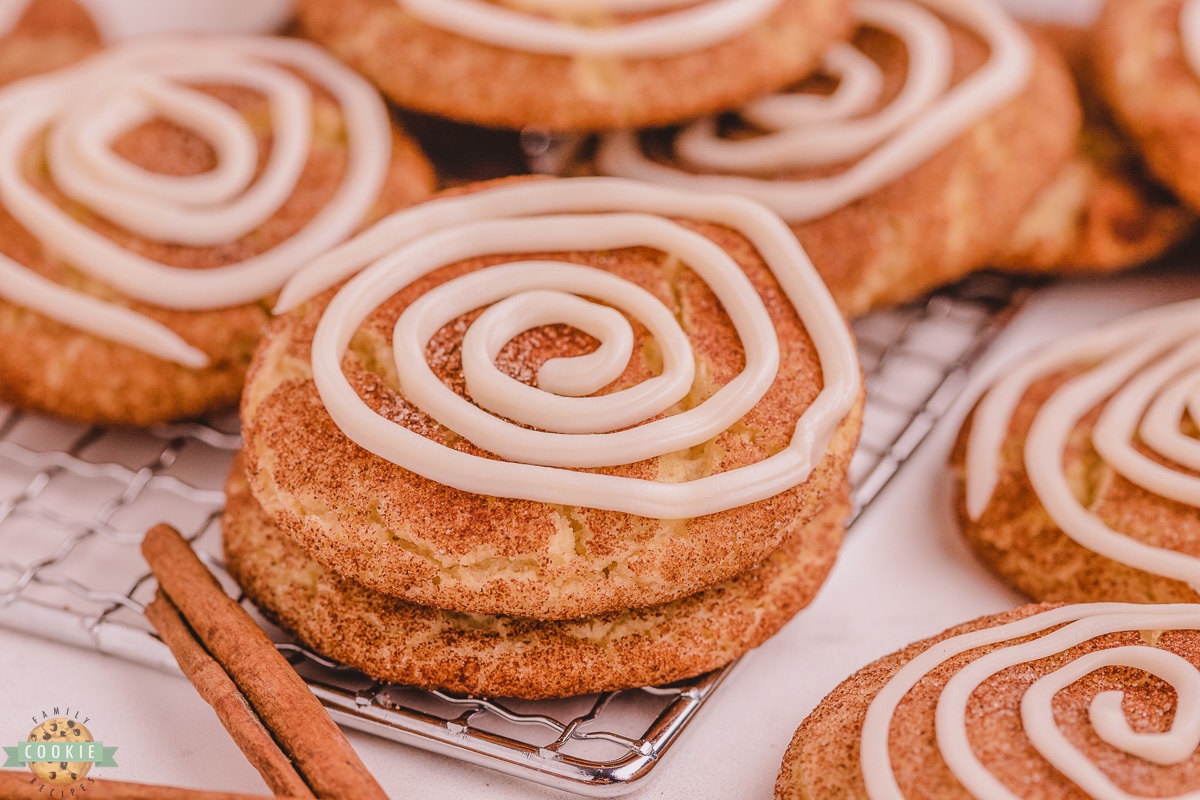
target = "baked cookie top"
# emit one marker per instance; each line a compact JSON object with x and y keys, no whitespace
{"x":1080,"y":469}
{"x":156,"y":194}
{"x":553,"y":398}
{"x":904,"y":163}
{"x":1066,"y":702}
{"x":563,"y":65}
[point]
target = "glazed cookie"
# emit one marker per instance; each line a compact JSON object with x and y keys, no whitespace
{"x":1079,"y":472}
{"x":483,"y":654}
{"x":554,"y":399}
{"x":1147,"y":67}
{"x":1058,"y":703}
{"x":556,"y":65}
{"x":906,"y":164}
{"x":1103,"y":212}
{"x":156,"y":196}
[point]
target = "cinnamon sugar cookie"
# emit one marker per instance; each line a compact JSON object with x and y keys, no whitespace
{"x":156,"y":195}
{"x":1103,"y":212}
{"x":513,"y":657}
{"x":906,"y":164}
{"x":555,"y":65}
{"x":1080,"y":470}
{"x":553,"y":398}
{"x":1059,"y":703}
{"x":1147,"y":66}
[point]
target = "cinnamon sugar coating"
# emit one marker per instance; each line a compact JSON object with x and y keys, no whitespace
{"x":1018,"y":540}
{"x":509,"y":656}
{"x":822,"y":762}
{"x":427,"y":69}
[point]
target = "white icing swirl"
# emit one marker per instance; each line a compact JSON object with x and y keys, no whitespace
{"x":83,"y":109}
{"x":693,"y":25}
{"x":1079,"y":624}
{"x":807,"y":130}
{"x":1189,"y":31}
{"x":573,"y":430}
{"x":1145,"y":369}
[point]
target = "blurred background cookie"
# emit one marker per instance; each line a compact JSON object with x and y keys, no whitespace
{"x":41,"y":35}
{"x":906,"y":164}
{"x":570,"y":66}
{"x":1080,"y":470}
{"x":1104,"y":211}
{"x":1146,"y":58}
{"x":465,"y":431}
{"x":157,"y":195}
{"x":1051,"y":702}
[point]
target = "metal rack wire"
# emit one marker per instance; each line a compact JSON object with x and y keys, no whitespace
{"x":75,"y":500}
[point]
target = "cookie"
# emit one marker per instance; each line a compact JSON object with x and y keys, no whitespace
{"x":1060,"y":703}
{"x":552,"y":65}
{"x":1078,"y":472}
{"x":1104,"y":212}
{"x":156,"y":196}
{"x":1146,"y":56}
{"x":905,"y":164}
{"x":483,"y":654}
{"x":553,"y":398}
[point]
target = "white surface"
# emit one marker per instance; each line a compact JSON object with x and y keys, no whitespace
{"x":122,"y":19}
{"x":903,"y":574}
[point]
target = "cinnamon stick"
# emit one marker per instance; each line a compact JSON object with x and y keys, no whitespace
{"x":18,"y":784}
{"x":220,"y":692}
{"x":287,"y":707}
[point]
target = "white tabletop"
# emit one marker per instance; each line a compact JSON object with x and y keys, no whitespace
{"x":903,"y":574}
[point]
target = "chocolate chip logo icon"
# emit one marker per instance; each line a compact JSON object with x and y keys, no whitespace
{"x":55,"y":736}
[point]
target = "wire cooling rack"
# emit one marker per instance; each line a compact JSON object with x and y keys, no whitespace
{"x":75,"y":500}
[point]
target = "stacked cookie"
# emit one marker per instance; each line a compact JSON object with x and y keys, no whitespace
{"x":556,"y":436}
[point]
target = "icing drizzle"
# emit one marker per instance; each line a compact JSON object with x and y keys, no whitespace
{"x":83,"y":109}
{"x":574,"y":430}
{"x":1079,"y":624}
{"x":1145,"y":369}
{"x":810,"y":130}
{"x":688,"y":26}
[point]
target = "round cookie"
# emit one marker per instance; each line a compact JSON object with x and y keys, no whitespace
{"x":1060,"y":703}
{"x":484,"y":654}
{"x":1146,"y":71}
{"x":1078,"y":471}
{"x":144,"y":230}
{"x":1103,"y":212}
{"x":893,"y":185}
{"x":575,"y":498}
{"x":653,"y":65}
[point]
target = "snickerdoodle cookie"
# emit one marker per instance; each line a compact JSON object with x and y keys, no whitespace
{"x":156,"y":196}
{"x":576,"y":66}
{"x":554,"y":398}
{"x":485,"y":654}
{"x":1146,"y":56}
{"x":906,"y":163}
{"x":1052,"y":702}
{"x":1080,"y":470}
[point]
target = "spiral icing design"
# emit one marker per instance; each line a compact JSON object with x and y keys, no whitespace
{"x":1145,"y":370}
{"x":560,"y":27}
{"x":79,"y":113}
{"x":1049,"y":638}
{"x":799,"y":130}
{"x":565,"y":427}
